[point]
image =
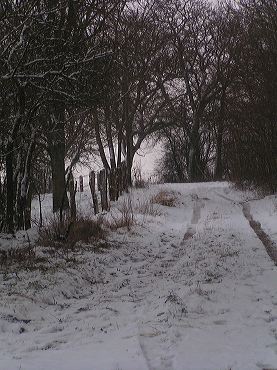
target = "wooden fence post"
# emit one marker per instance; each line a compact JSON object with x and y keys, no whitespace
{"x":93,"y":192}
{"x":104,"y":190}
{"x":81,"y":182}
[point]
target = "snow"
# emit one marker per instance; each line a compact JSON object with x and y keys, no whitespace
{"x":265,"y":211}
{"x":189,"y":287}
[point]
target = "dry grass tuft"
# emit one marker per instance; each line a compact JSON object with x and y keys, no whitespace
{"x":25,"y":255}
{"x":69,"y":233}
{"x":125,"y":218}
{"x":164,"y":198}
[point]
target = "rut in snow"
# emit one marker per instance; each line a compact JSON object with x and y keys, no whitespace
{"x":268,"y":243}
{"x":196,"y":215}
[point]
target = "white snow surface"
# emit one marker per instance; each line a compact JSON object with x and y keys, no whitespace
{"x":265,"y":212}
{"x":190,"y":288}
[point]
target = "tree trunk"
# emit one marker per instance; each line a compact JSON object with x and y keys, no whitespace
{"x":20,"y":203}
{"x":127,"y":123}
{"x":92,"y":178}
{"x":110,"y":138}
{"x":129,"y":155}
{"x":9,"y":160}
{"x":99,"y":141}
{"x":25,"y":186}
{"x":28,"y":208}
{"x":176,"y":161}
{"x":58,"y":178}
{"x":10,"y":189}
{"x":72,"y":191}
{"x":219,"y":165}
{"x":56,"y":145}
{"x":194,"y":170}
{"x":119,"y":148}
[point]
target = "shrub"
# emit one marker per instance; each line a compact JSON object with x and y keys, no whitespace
{"x":25,"y":255}
{"x":125,"y":218}
{"x":69,"y":233}
{"x":139,"y":182}
{"x":164,"y":198}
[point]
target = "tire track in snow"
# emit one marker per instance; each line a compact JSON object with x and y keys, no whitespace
{"x":166,"y":338}
{"x":196,"y":215}
{"x":268,"y":243}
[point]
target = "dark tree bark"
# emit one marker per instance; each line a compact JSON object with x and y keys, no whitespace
{"x":9,"y":158}
{"x":119,"y":148}
{"x":10,"y":189}
{"x":92,"y":178}
{"x":127,"y":124}
{"x":99,"y":141}
{"x":194,"y":170}
{"x":129,"y":155}
{"x":28,"y":208}
{"x":56,"y":147}
{"x":110,"y":138}
{"x":25,"y":186}
{"x":176,"y":161}
{"x":219,"y":139}
{"x":72,"y":191}
{"x":219,"y":165}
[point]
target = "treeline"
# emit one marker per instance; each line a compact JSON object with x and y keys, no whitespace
{"x":226,"y":120}
{"x":80,"y":78}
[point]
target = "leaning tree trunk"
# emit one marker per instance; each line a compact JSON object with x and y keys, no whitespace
{"x":56,"y":147}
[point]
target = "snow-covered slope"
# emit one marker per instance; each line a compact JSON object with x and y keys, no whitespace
{"x":190,"y":288}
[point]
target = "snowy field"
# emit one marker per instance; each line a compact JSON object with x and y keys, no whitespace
{"x":189,"y":287}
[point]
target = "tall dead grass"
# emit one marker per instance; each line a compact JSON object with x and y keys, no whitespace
{"x":69,"y":233}
{"x":125,"y":217}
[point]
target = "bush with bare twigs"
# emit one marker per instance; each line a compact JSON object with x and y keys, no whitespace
{"x":148,"y":208}
{"x":139,"y":181}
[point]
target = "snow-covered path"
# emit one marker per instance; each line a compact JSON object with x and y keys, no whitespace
{"x":191,"y":289}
